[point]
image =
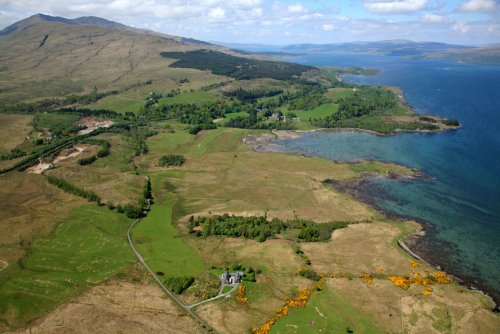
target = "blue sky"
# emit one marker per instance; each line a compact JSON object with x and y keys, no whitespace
{"x":473,"y":22}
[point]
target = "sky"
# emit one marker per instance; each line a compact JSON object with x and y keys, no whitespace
{"x":471,"y":22}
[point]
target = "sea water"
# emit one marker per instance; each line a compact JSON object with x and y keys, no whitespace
{"x":461,"y":199}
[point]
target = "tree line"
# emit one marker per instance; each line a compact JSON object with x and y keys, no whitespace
{"x":72,"y":189}
{"x":261,"y":228}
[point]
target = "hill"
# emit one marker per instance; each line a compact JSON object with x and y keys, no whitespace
{"x":50,"y":56}
{"x":384,"y":48}
{"x":483,"y":55}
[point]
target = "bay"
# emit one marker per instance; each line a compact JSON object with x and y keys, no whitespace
{"x":461,"y":200}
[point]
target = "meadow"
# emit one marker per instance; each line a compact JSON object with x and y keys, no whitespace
{"x":112,"y":178}
{"x":161,"y":245}
{"x":196,"y":97}
{"x":84,"y":250}
{"x":13,"y":130}
{"x":326,"y":312}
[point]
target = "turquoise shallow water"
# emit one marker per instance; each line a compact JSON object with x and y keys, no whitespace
{"x":461,"y":200}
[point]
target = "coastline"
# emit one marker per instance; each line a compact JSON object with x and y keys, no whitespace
{"x":260,"y":141}
{"x":414,"y":244}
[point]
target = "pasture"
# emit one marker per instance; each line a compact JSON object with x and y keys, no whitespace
{"x":322,"y":111}
{"x":55,"y":122}
{"x":31,"y":208}
{"x":86,"y":249}
{"x":161,"y":245}
{"x":13,"y":130}
{"x":197,"y":97}
{"x":112,"y":178}
{"x":326,"y":312}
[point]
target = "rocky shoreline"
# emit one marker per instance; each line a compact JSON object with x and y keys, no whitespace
{"x":414,"y":244}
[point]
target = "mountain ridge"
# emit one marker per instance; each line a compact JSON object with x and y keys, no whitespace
{"x":50,"y":56}
{"x":91,"y":21}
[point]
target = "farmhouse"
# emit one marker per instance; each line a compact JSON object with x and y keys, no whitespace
{"x":232,"y":278}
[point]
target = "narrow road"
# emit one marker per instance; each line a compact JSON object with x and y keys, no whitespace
{"x":187,"y":308}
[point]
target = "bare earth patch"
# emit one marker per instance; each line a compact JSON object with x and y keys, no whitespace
{"x":40,"y":168}
{"x":3,"y":264}
{"x":117,"y":307}
{"x":93,"y":123}
{"x":74,"y":152}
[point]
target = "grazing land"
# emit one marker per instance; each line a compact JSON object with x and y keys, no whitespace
{"x":139,"y":305}
{"x":327,"y":312}
{"x":159,"y":242}
{"x":86,"y":248}
{"x":13,"y":130}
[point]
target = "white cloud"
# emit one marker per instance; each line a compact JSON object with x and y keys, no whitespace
{"x":296,"y":9}
{"x":216,"y":14}
{"x":479,"y":6}
{"x":279,"y":21}
{"x":434,"y":18}
{"x":461,"y":27}
{"x":328,"y":27}
{"x":395,"y":6}
{"x":257,"y":12}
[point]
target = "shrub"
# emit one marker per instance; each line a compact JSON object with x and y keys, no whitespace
{"x":130,"y":211}
{"x":87,"y":161}
{"x":451,"y":122}
{"x":427,"y":119}
{"x":309,"y":274}
{"x":103,"y":153}
{"x":171,"y":160}
{"x":309,"y":234}
{"x":178,"y":284}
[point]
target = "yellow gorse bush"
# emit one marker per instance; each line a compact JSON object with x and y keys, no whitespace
{"x":419,"y":280}
{"x":368,"y":279}
{"x":298,"y":301}
{"x":240,"y":294}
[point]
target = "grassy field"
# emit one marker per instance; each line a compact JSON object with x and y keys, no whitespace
{"x":85,"y":249}
{"x":326,"y":312}
{"x":13,"y":130}
{"x":120,"y":103}
{"x":56,"y":122}
{"x":230,"y":116}
{"x":113,"y":178}
{"x":323,"y":110}
{"x":158,"y":240}
{"x":197,"y":97}
{"x":337,"y":93}
{"x":31,"y":209}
